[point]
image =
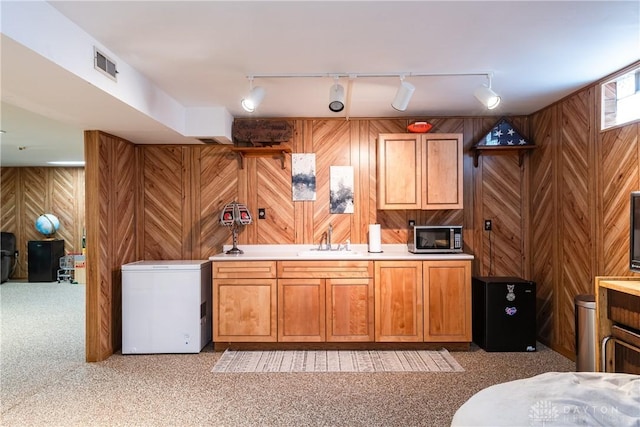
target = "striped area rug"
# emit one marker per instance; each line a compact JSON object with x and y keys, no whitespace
{"x":337,"y":361}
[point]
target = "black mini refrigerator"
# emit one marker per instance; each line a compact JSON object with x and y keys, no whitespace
{"x":504,"y":313}
{"x":44,"y":259}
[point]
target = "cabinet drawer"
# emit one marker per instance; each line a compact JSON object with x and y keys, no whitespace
{"x":325,"y":269}
{"x":624,"y":309}
{"x":244,"y":270}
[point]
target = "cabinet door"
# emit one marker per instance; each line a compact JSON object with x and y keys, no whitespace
{"x":349,"y":310}
{"x":301,"y":310}
{"x":398,"y":301}
{"x":399,"y":178}
{"x":244,"y":310}
{"x":447,"y":301}
{"x":442,"y":171}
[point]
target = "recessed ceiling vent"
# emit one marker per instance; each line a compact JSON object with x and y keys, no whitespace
{"x":103,"y":64}
{"x":216,"y":140}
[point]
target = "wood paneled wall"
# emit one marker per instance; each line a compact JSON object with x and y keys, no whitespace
{"x":183,"y":189}
{"x":27,"y":193}
{"x":580,"y":180}
{"x":112,"y":195}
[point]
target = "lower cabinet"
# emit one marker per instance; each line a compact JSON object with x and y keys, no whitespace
{"x":244,"y":295}
{"x":349,"y":305}
{"x":301,"y":310}
{"x":447,"y":301}
{"x":398,"y":301}
{"x":426,"y":301}
{"x":328,"y":301}
{"x":342,"y":301}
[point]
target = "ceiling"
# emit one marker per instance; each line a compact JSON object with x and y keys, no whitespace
{"x":200,"y":53}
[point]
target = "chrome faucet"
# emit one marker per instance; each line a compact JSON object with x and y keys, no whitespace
{"x":326,"y":237}
{"x":323,"y":238}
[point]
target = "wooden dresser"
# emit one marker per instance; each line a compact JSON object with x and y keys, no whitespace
{"x":618,"y":324}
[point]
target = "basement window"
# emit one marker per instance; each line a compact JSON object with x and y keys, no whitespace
{"x":621,"y":99}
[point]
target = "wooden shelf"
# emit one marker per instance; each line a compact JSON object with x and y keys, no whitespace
{"x":521,"y":149}
{"x":274,"y":152}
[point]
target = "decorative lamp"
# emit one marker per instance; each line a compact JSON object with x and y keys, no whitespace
{"x":235,"y":215}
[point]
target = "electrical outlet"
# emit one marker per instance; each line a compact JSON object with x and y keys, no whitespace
{"x":262,"y":213}
{"x":412,"y":222}
{"x":17,"y":254}
{"x":487,"y":225}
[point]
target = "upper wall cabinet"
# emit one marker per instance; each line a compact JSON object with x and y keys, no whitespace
{"x":419,"y":171}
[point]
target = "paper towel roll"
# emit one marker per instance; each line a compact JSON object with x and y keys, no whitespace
{"x":375,"y":244}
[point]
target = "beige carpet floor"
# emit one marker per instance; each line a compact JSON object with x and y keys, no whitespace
{"x":45,"y":381}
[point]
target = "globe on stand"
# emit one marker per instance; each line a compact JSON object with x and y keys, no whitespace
{"x":47,"y":224}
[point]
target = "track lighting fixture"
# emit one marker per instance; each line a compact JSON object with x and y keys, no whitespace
{"x":253,"y":100}
{"x":405,"y":91}
{"x":487,"y":96}
{"x":336,"y":97}
{"x":403,"y":95}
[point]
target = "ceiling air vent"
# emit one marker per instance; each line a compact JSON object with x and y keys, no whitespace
{"x":212,"y":141}
{"x":102,"y":63}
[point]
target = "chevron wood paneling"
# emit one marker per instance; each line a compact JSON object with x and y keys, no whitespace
{"x":393,"y":224}
{"x":542,"y":216}
{"x":164,"y":198}
{"x":376,"y":127}
{"x":575,"y":192}
{"x":274,"y":191}
{"x":620,"y":176}
{"x":125,"y":206}
{"x":448,"y":125}
{"x":111,"y":235}
{"x":35,"y":199}
{"x":362,"y":155}
{"x":27,"y":193}
{"x":64,"y":202}
{"x":501,"y":197}
{"x":9,"y":188}
{"x":218,"y":186}
{"x":124,"y":224}
{"x":104,"y":296}
{"x":332,"y":145}
{"x":580,"y":185}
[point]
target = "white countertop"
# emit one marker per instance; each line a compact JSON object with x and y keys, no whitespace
{"x":309,"y":252}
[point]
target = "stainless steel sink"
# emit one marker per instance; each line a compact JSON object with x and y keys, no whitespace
{"x":329,"y":254}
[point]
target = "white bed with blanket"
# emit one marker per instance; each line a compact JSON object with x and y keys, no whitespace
{"x":556,"y":399}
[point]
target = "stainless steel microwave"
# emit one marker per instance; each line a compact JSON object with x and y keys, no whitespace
{"x":427,"y":239}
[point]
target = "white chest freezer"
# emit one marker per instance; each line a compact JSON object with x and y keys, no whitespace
{"x":166,"y":306}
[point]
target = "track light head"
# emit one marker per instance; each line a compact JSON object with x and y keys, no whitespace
{"x":487,"y":96}
{"x":336,"y":97}
{"x":403,"y":95}
{"x":253,"y":100}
